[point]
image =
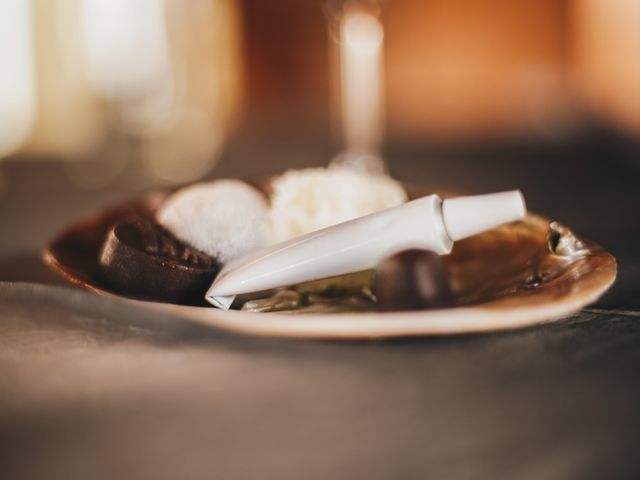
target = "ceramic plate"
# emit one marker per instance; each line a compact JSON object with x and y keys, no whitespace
{"x":506,"y":278}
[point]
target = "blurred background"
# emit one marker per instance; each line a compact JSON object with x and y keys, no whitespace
{"x":100,"y":99}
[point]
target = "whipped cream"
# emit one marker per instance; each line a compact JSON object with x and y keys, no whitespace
{"x":307,"y":200}
{"x":224,"y":218}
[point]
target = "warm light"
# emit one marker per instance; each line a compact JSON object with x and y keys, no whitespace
{"x":361,"y":37}
{"x":128,"y":58}
{"x":17,"y":90}
{"x":607,"y":59}
{"x":363,"y":33}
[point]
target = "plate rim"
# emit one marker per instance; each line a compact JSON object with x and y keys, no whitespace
{"x":374,"y":325}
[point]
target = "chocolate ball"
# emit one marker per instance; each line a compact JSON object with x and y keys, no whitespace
{"x":412,"y":280}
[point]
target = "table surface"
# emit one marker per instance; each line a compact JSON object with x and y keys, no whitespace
{"x":96,"y":388}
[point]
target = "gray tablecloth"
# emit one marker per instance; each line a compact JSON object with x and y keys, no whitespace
{"x":94,"y":388}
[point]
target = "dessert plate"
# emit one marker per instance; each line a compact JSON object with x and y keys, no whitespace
{"x":521,"y":274}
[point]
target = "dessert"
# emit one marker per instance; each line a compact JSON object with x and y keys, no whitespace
{"x":341,"y":230}
{"x":304,"y":201}
{"x":224,"y":219}
{"x":412,"y":280}
{"x":142,"y":259}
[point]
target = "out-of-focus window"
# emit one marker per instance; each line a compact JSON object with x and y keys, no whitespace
{"x":154,"y":80}
{"x":17,"y":86}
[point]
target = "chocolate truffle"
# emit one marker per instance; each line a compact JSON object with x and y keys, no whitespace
{"x":412,"y":280}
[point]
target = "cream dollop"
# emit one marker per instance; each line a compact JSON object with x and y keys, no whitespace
{"x":306,"y":200}
{"x":224,"y":218}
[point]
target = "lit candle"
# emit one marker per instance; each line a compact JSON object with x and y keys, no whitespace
{"x":361,"y":38}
